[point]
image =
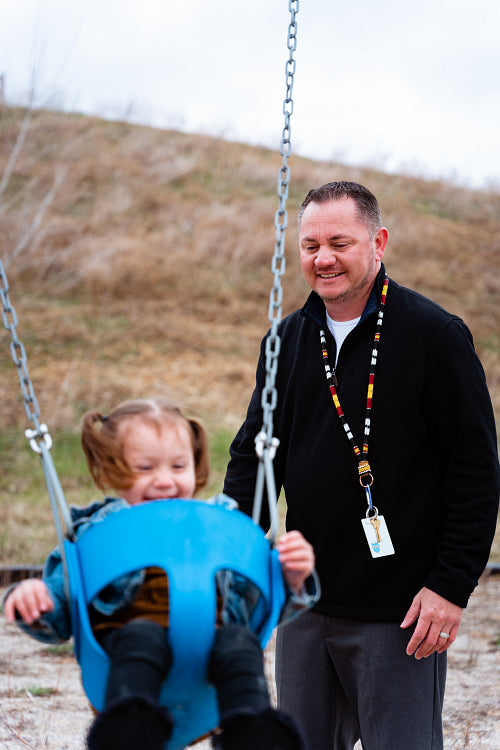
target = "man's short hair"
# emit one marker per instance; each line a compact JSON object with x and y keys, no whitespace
{"x":367,"y":208}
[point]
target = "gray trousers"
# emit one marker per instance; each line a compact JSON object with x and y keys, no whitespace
{"x":344,"y":680}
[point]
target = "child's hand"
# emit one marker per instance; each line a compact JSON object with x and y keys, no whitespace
{"x":31,"y":599}
{"x":297,"y":559}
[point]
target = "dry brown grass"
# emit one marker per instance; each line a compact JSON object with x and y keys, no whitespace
{"x":150,"y":271}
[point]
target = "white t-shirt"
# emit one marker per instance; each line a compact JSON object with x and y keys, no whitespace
{"x":340,"y":330}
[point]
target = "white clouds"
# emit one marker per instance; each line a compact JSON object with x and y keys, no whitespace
{"x":386,"y":83}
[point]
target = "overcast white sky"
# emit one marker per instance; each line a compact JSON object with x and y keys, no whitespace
{"x":384,"y":83}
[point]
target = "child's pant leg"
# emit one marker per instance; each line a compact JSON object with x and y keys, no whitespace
{"x":140,"y":660}
{"x":236,"y":668}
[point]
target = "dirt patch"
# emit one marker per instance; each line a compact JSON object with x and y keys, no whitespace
{"x":43,"y":707}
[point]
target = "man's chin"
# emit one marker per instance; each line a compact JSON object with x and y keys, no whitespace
{"x":340,"y":297}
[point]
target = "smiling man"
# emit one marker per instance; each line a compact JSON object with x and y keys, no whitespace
{"x":389,"y":464}
{"x":341,"y":252}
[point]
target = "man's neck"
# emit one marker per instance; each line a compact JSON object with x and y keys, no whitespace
{"x":349,"y":309}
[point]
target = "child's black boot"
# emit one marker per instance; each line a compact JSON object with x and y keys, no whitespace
{"x":266,"y":730}
{"x":132,"y":723}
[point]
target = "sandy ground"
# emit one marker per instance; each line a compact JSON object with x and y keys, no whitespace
{"x":58,"y":720}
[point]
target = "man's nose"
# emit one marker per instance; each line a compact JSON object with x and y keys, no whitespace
{"x":325,"y":256}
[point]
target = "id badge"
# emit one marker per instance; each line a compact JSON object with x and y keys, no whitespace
{"x":377,"y":536}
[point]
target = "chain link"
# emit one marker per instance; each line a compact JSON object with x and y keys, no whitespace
{"x":269,"y":394}
{"x":18,"y":353}
{"x":265,"y":443}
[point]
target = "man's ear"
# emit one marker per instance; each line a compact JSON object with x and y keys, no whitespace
{"x":381,"y":239}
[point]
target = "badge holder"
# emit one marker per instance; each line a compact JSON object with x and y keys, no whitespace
{"x":375,"y":528}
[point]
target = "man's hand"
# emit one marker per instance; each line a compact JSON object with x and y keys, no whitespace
{"x":434,"y":615}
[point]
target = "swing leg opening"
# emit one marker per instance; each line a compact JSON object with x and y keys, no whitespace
{"x":140,"y":659}
{"x":247,"y":719}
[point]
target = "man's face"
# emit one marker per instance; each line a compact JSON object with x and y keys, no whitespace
{"x":339,"y":259}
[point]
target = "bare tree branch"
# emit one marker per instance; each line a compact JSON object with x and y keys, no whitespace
{"x":21,"y":137}
{"x":38,"y":218}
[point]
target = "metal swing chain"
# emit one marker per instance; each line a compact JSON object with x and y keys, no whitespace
{"x":265,"y":444}
{"x":18,"y":354}
{"x":39,"y":437}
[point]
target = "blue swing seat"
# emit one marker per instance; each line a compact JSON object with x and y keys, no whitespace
{"x":190,"y":540}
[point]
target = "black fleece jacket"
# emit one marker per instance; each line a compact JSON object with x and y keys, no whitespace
{"x":432,"y":450}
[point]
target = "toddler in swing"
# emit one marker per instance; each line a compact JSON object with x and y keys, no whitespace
{"x":146,"y":450}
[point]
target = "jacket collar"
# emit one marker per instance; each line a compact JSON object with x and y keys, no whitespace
{"x":314,"y":307}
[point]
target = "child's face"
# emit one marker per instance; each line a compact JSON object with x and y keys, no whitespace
{"x":162,"y":462}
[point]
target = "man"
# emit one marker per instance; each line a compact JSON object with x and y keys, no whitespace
{"x":389,"y":464}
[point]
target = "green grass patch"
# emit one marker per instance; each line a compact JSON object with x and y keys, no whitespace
{"x":492,"y":343}
{"x":434,"y":207}
{"x":41,"y":692}
{"x":219,"y":442}
{"x":61,"y":649}
{"x":69,"y":458}
{"x":22,"y":469}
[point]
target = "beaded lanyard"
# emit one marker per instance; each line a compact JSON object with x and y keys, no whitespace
{"x":365,"y":475}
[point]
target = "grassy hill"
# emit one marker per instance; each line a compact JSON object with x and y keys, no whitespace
{"x":140,"y":263}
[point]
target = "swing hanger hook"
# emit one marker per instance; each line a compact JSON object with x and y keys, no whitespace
{"x":36,"y":437}
{"x":263,"y":444}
